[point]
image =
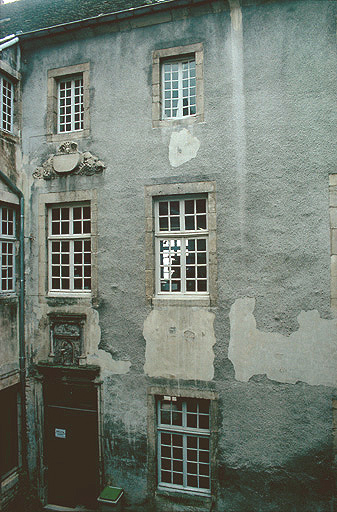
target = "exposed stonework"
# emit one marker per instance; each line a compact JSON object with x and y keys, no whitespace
{"x":308,"y":355}
{"x":179,"y":343}
{"x":68,"y":160}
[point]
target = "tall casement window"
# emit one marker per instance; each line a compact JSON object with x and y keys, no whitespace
{"x":183,"y":428}
{"x":177,"y":85}
{"x":7,"y":249}
{"x":6,"y":104}
{"x":70,"y":104}
{"x":181,"y":233}
{"x":69,"y":241}
{"x":8,"y":430}
{"x":178,"y":88}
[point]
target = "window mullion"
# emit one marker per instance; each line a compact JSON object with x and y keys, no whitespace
{"x":180,"y":89}
{"x":185,"y":460}
{"x":49,"y":265}
{"x":72,"y":105}
{"x":59,"y":107}
{"x":1,"y":102}
{"x":0,"y":260}
{"x":71,"y":261}
{"x":71,"y":248}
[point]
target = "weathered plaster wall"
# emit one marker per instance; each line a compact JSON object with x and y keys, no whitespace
{"x":267,"y":143}
{"x":9,"y":347}
{"x":308,"y":354}
{"x":179,"y":343}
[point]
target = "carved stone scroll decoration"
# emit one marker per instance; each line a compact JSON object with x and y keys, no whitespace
{"x":66,"y":339}
{"x":68,"y":160}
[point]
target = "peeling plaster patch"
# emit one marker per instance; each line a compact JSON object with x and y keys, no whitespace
{"x":107,"y":364}
{"x":183,"y":147}
{"x":308,"y":355}
{"x":179,"y":343}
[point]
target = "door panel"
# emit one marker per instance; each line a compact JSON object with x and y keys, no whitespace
{"x":72,"y":456}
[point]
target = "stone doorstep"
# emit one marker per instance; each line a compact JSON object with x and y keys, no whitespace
{"x":57,"y":508}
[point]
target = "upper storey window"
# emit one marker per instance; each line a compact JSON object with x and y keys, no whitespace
{"x":7,"y":249}
{"x":179,"y":89}
{"x":182,"y":245}
{"x":70,"y":104}
{"x":6,"y":104}
{"x":69,"y":240}
{"x":177,"y":85}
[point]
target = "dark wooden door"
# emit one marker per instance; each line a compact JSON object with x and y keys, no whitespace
{"x":71,"y":441}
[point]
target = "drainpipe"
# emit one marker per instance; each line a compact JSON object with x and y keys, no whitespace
{"x":9,"y":43}
{"x":22,"y":357}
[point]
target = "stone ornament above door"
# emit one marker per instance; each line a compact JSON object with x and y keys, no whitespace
{"x":68,"y":160}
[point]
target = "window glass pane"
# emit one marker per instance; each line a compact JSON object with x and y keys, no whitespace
{"x":204,"y":483}
{"x":163,"y":223}
{"x":201,"y":221}
{"x":174,"y":207}
{"x":201,"y":244}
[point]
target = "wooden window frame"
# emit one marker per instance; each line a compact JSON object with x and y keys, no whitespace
{"x":55,"y":76}
{"x":176,"y":54}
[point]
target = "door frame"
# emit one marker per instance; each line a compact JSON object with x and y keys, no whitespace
{"x":82,"y":375}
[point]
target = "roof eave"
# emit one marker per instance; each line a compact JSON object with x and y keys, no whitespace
{"x":133,"y":12}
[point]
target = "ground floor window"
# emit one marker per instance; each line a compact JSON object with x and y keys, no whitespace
{"x":9,"y":458}
{"x":183,"y":426}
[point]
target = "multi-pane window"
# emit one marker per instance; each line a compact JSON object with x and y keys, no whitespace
{"x":69,"y":239}
{"x":6,"y":104}
{"x":181,"y":245}
{"x":184,"y":444}
{"x":70,"y":104}
{"x":7,"y":249}
{"x":178,"y":88}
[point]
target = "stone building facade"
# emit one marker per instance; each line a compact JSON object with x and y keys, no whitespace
{"x":176,"y":159}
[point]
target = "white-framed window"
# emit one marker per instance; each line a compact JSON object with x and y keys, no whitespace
{"x":6,"y":104}
{"x":7,"y":249}
{"x":69,"y":248}
{"x":181,"y":234}
{"x":183,"y":428}
{"x":178,"y":88}
{"x":70,"y":104}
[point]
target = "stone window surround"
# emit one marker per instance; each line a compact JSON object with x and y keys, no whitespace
{"x":45,"y":200}
{"x":333,"y":238}
{"x":12,"y":201}
{"x":54,"y":75}
{"x":14,"y":77}
{"x":155,"y":191}
{"x":167,"y":53}
{"x":164,"y":496}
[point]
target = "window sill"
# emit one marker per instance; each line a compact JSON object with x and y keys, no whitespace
{"x":9,"y":136}
{"x":189,"y":301}
{"x":71,"y":295}
{"x":54,"y":299}
{"x":61,"y":137}
{"x":9,"y":476}
{"x":8,"y":297}
{"x":184,"y":121}
{"x":173,"y":499}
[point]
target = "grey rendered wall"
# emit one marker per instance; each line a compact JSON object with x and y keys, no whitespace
{"x":267,"y":143}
